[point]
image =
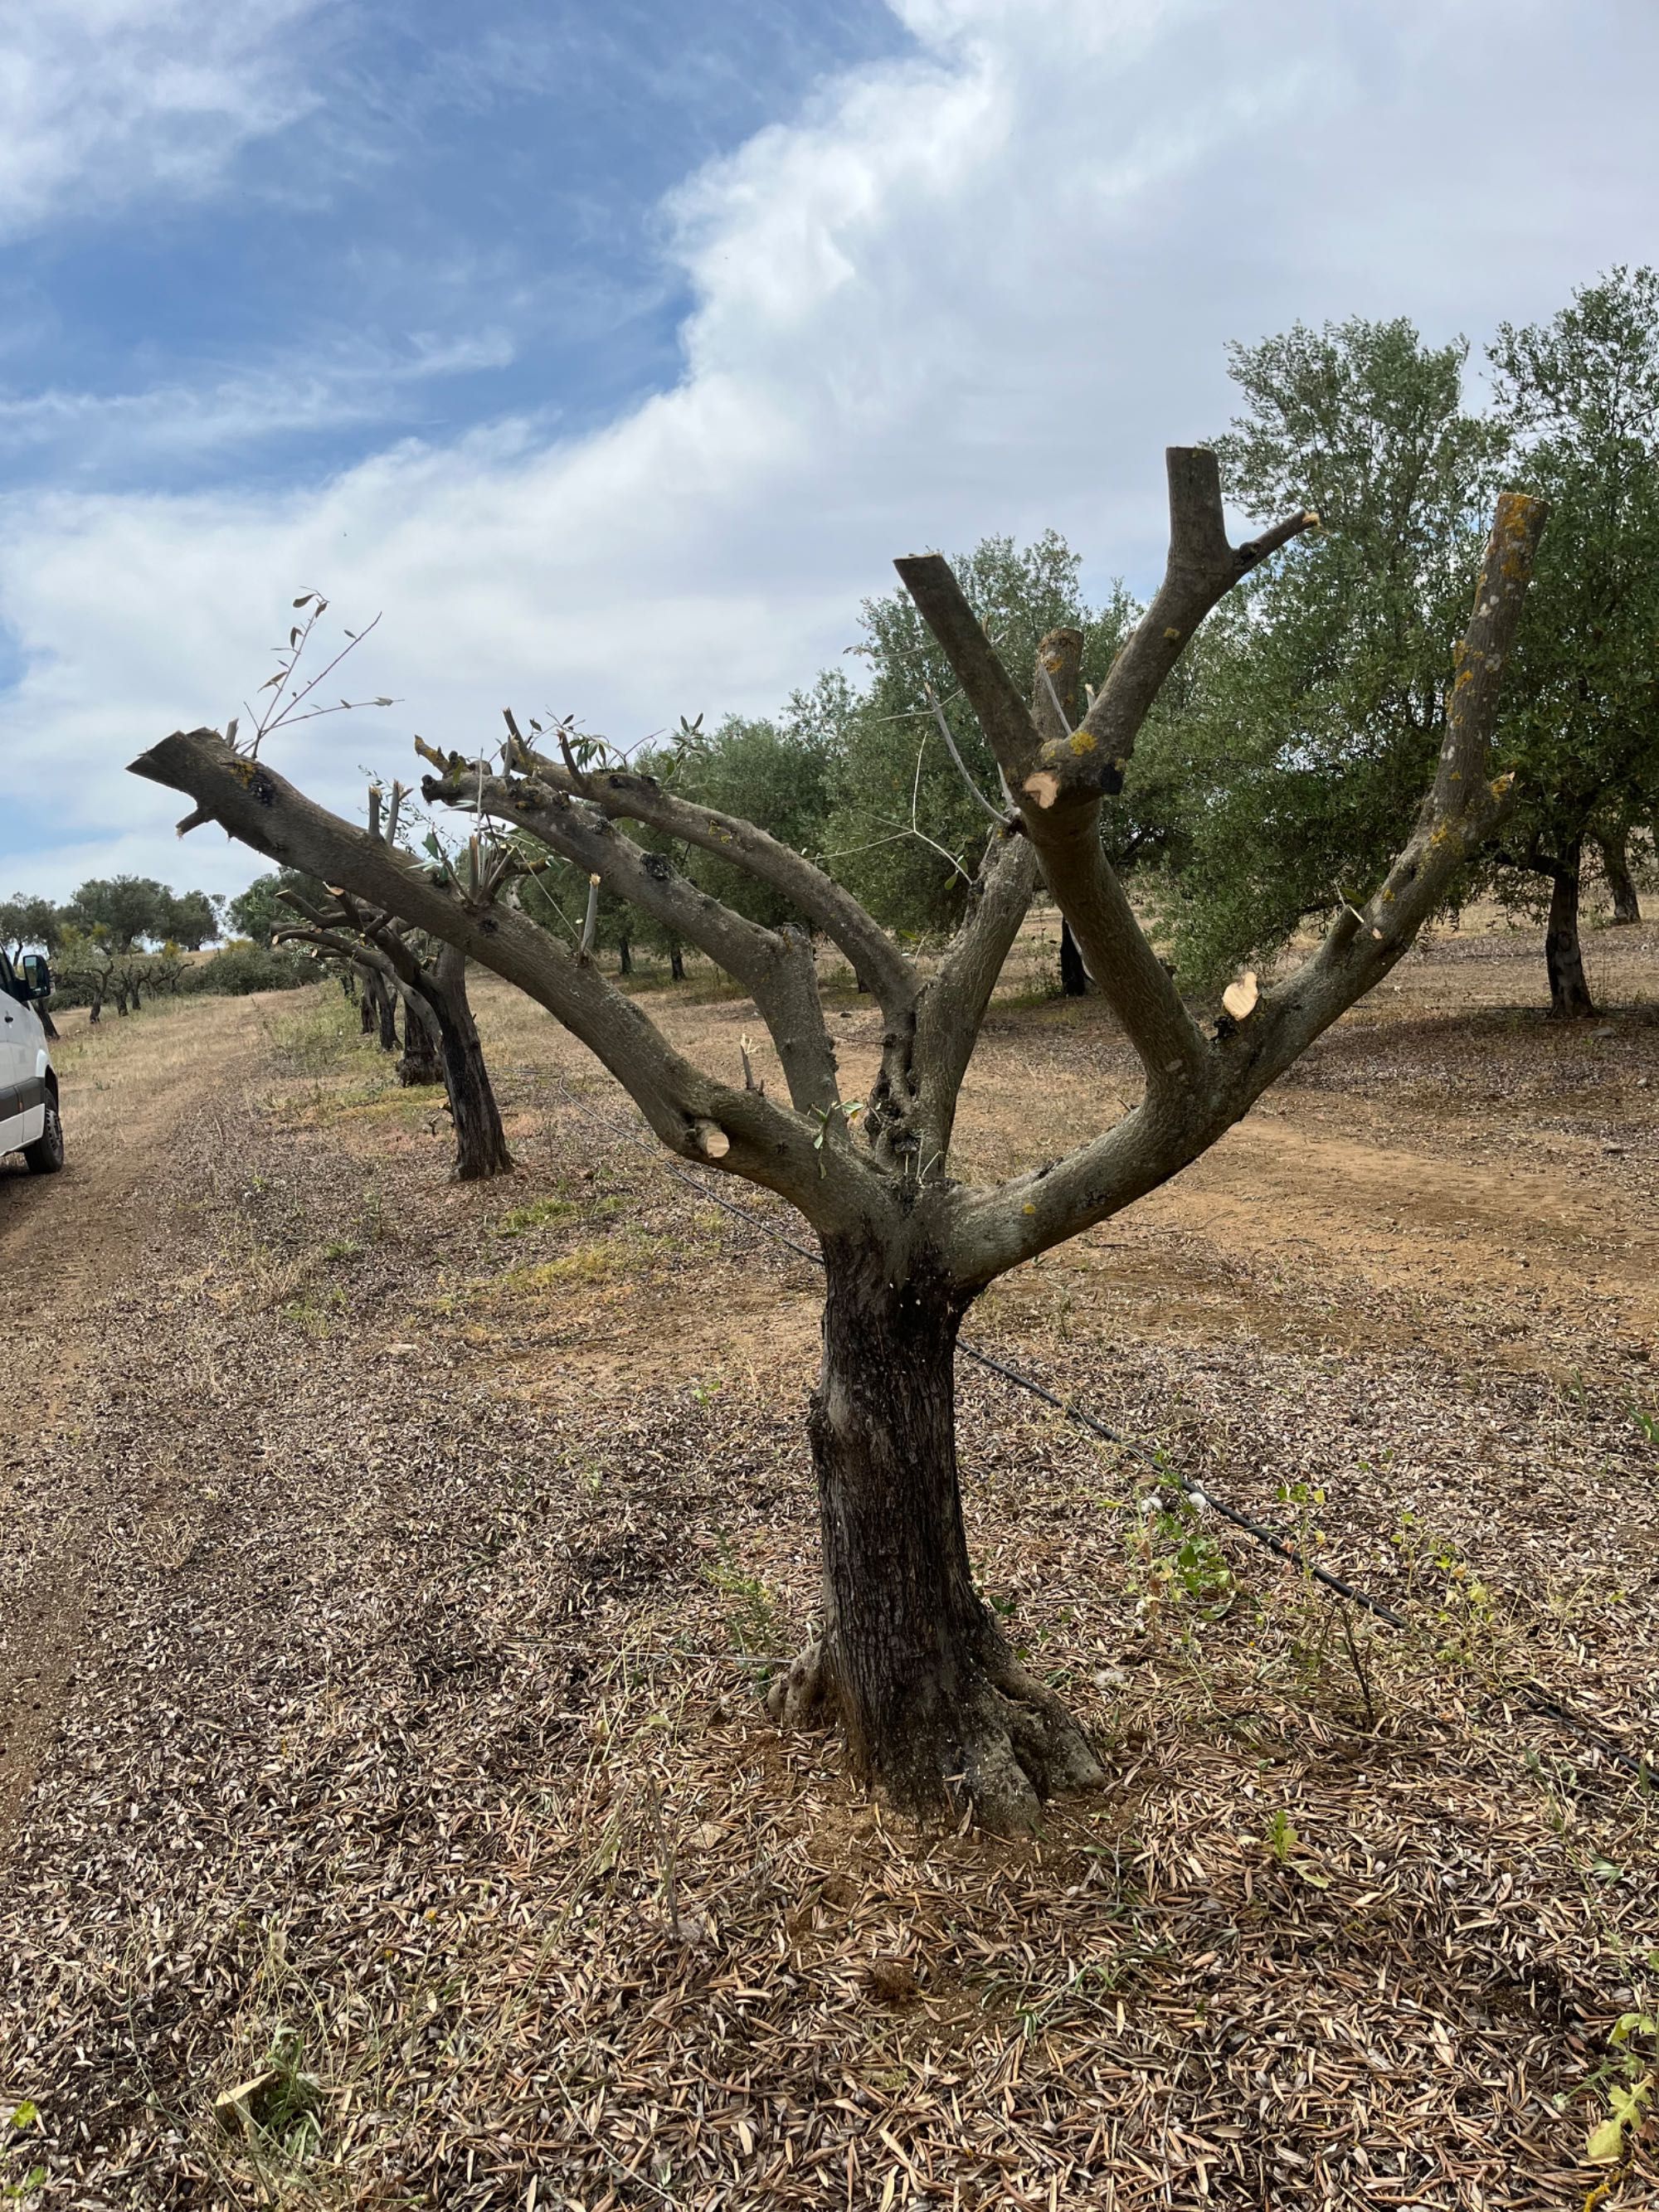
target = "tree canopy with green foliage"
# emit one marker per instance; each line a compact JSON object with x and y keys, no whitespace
{"x":1578,"y":400}
{"x":1316,"y":707}
{"x":1318,"y":699}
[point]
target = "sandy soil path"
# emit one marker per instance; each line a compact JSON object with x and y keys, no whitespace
{"x":70,"y":1245}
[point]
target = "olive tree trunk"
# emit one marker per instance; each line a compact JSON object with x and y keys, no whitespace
{"x":382,"y":1003}
{"x":907,"y":1657}
{"x":421,"y":1061}
{"x":480,"y":1141}
{"x":1615,"y":866}
{"x":1569,"y":997}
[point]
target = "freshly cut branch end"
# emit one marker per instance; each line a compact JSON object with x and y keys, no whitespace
{"x":1240,"y":999}
{"x":708,"y":1138}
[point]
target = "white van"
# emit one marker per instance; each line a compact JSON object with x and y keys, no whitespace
{"x":29,"y":1121}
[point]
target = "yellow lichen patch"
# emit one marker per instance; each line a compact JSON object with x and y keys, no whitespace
{"x":1173,"y":636}
{"x":1082,"y":742}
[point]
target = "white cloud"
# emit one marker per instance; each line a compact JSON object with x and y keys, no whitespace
{"x":979,"y":289}
{"x":100,"y":435}
{"x":101,"y":99}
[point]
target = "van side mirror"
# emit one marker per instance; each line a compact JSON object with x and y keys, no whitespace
{"x":36,"y":973}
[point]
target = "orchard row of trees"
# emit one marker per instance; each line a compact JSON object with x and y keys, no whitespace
{"x":1249,"y":735}
{"x":126,"y":913}
{"x":1280,"y":764}
{"x":121,"y":912}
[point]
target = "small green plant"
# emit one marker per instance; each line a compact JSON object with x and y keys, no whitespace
{"x":1173,"y":1559}
{"x":25,"y":2115}
{"x":537,"y":1215}
{"x":277,"y":2110}
{"x":315,"y":1316}
{"x":1281,"y":1836}
{"x":1627,"y":2079}
{"x":750,"y":1612}
{"x":1648,"y":1423}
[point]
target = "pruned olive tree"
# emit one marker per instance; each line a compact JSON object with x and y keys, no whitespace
{"x":933,"y":1703}
{"x":427,"y":973}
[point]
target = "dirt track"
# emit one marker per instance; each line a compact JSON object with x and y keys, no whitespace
{"x":73,"y":1249}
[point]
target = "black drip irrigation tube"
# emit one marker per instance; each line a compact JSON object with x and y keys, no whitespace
{"x":1537,"y":1700}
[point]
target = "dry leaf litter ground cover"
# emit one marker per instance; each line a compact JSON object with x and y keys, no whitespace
{"x":413,"y":1779}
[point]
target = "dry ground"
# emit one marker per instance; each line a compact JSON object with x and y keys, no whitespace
{"x":392,"y":1568}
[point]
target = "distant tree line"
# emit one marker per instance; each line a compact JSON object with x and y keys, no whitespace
{"x":120,"y":940}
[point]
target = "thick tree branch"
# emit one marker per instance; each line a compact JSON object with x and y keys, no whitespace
{"x":1202,"y":569}
{"x":995,"y":1231}
{"x":774,"y":966}
{"x":1059,"y":777}
{"x":954,"y":1004}
{"x":986,"y":685}
{"x":743,"y":1132}
{"x":1465,"y":807}
{"x":620,"y":795}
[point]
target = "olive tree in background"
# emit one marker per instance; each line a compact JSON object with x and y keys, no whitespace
{"x":1318,"y":701}
{"x":933,"y":1700}
{"x":426,"y":973}
{"x":1579,"y":397}
{"x":1321,"y":697}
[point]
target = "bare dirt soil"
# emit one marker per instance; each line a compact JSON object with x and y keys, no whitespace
{"x":394,"y":1567}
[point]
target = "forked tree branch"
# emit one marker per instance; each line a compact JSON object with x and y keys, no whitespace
{"x":743,"y":1132}
{"x":1060,"y":776}
{"x":621,"y":795}
{"x":954,"y":1004}
{"x":1172,"y":1125}
{"x":773,"y":965}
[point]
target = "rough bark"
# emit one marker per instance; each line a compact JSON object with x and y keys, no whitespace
{"x":1570,"y":995}
{"x":1073,"y":976}
{"x":937,"y":1710}
{"x":480,"y":1141}
{"x":382,"y":1001}
{"x":420,"y":1061}
{"x":1615,"y":866}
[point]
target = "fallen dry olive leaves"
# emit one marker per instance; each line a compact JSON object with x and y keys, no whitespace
{"x":414,"y":1735}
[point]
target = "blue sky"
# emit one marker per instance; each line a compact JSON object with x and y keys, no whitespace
{"x":610,"y":352}
{"x":448,"y":216}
